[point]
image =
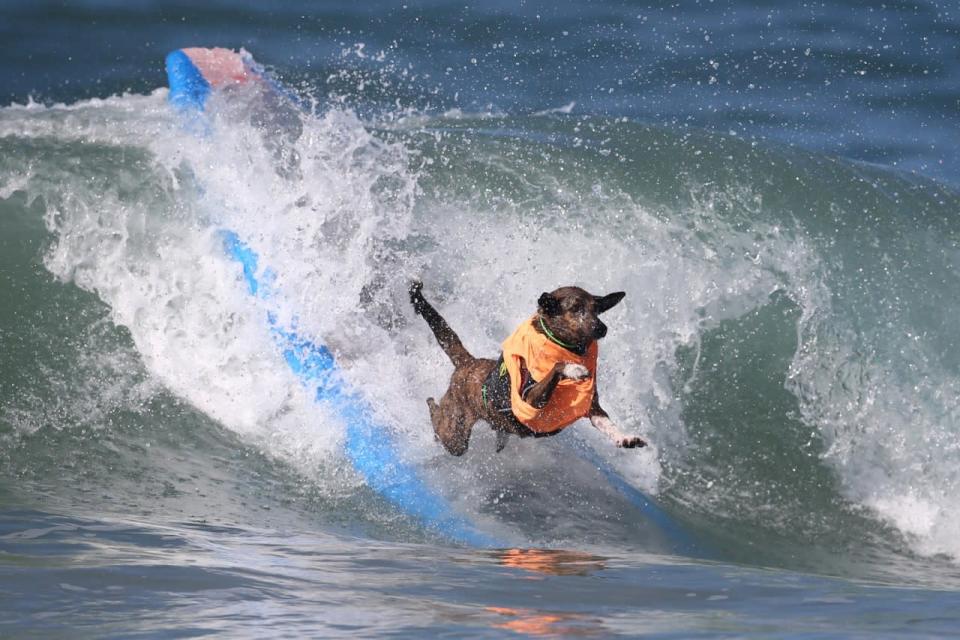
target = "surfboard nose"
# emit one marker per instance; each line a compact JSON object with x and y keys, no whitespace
{"x":188,"y":88}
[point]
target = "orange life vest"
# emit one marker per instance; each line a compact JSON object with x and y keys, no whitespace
{"x":571,"y":399}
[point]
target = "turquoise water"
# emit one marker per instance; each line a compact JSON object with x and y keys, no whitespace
{"x":775,"y":190}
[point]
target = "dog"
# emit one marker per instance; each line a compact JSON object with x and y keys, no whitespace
{"x":543,"y":381}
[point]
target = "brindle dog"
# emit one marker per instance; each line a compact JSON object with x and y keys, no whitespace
{"x":571,"y":315}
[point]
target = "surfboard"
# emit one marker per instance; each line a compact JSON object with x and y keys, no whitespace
{"x":195,"y":73}
{"x":370,"y":446}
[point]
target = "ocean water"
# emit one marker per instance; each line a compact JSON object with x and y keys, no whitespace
{"x":775,"y":188}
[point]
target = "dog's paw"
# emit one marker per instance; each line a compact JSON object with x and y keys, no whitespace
{"x":632,"y":442}
{"x":502,"y":438}
{"x":575,"y":372}
{"x":416,"y":295}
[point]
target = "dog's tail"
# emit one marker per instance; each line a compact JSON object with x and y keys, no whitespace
{"x":448,"y":339}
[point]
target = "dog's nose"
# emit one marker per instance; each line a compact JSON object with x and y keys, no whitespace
{"x":601,"y":330}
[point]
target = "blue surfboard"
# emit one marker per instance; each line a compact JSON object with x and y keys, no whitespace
{"x":370,"y":446}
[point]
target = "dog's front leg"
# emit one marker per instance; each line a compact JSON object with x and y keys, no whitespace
{"x":603,"y":423}
{"x":539,"y":394}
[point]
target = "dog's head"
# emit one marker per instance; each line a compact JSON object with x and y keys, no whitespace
{"x":572,"y":315}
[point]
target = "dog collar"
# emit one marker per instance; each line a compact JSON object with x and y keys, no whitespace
{"x":552,"y":337}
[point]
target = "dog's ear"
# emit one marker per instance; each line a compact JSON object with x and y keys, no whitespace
{"x":608,"y":301}
{"x":548,"y":304}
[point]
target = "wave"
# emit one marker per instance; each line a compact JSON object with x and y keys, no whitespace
{"x":785,"y":342}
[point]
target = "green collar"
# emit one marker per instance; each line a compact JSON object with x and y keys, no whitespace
{"x":552,"y":337}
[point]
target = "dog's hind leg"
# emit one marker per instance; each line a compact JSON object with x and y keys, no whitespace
{"x":445,"y":335}
{"x":450,"y":424}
